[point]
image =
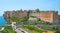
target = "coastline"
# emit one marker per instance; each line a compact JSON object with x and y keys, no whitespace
{"x":2,"y":21}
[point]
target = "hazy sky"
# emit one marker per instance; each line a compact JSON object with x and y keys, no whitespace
{"x":29,"y":4}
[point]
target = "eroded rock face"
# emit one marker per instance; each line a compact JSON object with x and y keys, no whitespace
{"x":48,"y":16}
{"x":17,"y":14}
{"x":51,"y":17}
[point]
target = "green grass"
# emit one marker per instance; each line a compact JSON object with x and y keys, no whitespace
{"x":46,"y":27}
{"x":32,"y":28}
{"x":19,"y":20}
{"x":9,"y":30}
{"x":33,"y":16}
{"x":0,"y":27}
{"x":52,"y":28}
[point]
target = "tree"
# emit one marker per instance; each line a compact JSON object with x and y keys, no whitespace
{"x":59,"y":17}
{"x":58,"y":31}
{"x":19,"y":20}
{"x":29,"y":11}
{"x":37,"y":10}
{"x":55,"y":28}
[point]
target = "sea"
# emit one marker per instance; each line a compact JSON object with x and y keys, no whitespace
{"x":2,"y":21}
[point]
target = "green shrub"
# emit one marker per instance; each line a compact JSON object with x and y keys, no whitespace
{"x":8,"y":30}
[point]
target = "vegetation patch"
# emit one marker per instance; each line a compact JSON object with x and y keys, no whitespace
{"x":19,"y":20}
{"x":32,"y":28}
{"x":9,"y":30}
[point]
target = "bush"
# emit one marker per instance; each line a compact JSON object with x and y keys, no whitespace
{"x":58,"y":31}
{"x":33,"y":16}
{"x":8,"y":30}
{"x":19,"y":20}
{"x":32,"y":28}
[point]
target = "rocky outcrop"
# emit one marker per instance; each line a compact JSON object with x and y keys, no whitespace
{"x":48,"y":16}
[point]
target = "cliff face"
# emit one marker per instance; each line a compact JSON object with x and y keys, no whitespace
{"x":51,"y":17}
{"x":48,"y":16}
{"x":17,"y":14}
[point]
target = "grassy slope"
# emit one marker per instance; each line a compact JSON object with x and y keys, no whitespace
{"x":9,"y":30}
{"x":32,"y":28}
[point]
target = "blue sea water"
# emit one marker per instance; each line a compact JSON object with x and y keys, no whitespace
{"x":2,"y":21}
